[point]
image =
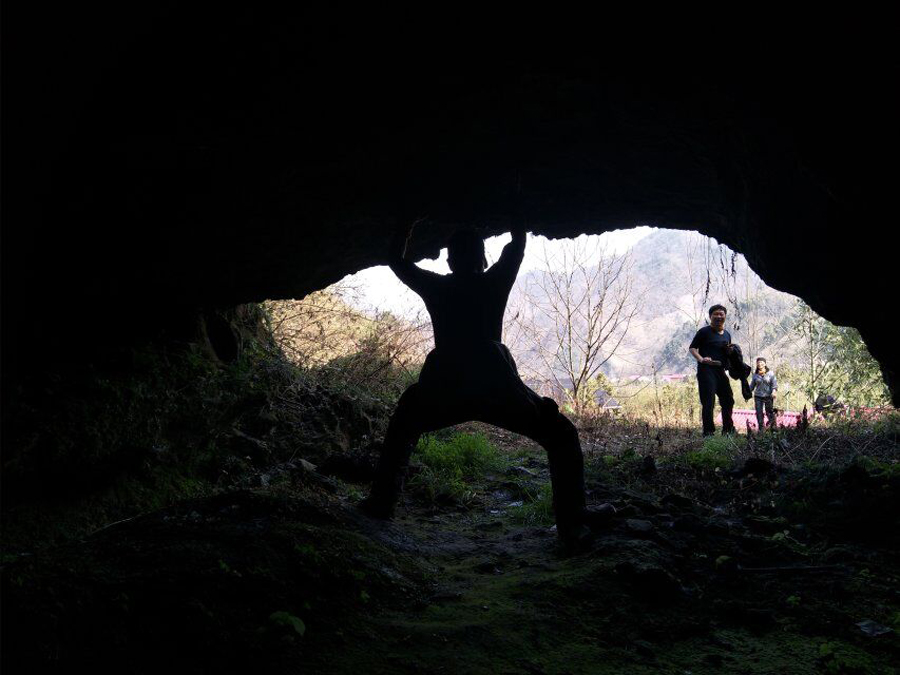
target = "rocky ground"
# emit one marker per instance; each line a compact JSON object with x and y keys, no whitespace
{"x":747,"y":568}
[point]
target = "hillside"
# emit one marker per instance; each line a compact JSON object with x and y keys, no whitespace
{"x":677,"y":275}
{"x":676,"y":268}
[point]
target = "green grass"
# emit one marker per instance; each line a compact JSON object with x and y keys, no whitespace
{"x":888,"y":425}
{"x":448,"y":466}
{"x":462,"y":454}
{"x":879,"y":467}
{"x":717,"y":452}
{"x":537,"y":506}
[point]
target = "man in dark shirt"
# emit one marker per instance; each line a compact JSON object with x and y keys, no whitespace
{"x":470,"y":375}
{"x":710,"y":347}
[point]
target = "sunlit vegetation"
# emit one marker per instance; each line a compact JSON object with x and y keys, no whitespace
{"x":447,"y":468}
{"x":589,"y":326}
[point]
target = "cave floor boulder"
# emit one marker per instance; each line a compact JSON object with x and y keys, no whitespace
{"x":701,"y":571}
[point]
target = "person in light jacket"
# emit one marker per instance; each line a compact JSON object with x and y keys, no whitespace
{"x":764,"y":387}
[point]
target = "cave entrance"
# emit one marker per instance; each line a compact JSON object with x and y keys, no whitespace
{"x":601,"y":324}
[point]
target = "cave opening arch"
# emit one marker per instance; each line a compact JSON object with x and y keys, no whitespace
{"x":673,"y":277}
{"x":244,"y":162}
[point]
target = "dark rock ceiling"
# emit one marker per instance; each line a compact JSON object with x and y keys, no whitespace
{"x":161,"y":160}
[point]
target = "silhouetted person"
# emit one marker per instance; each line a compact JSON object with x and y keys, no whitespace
{"x":710,"y":347}
{"x":470,"y":375}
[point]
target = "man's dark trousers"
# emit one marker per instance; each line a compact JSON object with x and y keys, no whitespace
{"x":713,"y":381}
{"x":481,"y":382}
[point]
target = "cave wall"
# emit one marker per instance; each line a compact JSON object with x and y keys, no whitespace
{"x":161,"y":160}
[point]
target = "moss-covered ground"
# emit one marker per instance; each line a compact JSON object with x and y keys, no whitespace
{"x":710,"y":566}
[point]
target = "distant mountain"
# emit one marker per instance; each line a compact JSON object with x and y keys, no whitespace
{"x":677,"y":276}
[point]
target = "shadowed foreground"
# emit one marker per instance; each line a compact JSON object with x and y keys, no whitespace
{"x":752,"y":569}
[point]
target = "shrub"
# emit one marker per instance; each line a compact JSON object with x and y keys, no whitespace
{"x":888,"y":425}
{"x":148,"y":425}
{"x":880,"y":467}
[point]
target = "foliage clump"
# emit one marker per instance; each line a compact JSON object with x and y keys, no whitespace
{"x":368,"y":354}
{"x":717,"y":452}
{"x":537,"y":505}
{"x":888,"y":426}
{"x":154,"y":424}
{"x":448,"y":466}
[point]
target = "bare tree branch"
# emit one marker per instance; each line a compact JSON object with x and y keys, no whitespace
{"x":575,"y":313}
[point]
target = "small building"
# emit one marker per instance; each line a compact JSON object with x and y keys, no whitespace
{"x":605,"y":401}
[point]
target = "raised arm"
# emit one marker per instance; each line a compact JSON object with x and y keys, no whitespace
{"x":414,"y":277}
{"x":511,"y":257}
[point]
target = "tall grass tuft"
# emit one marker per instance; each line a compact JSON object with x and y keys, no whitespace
{"x":448,"y":466}
{"x":717,"y":452}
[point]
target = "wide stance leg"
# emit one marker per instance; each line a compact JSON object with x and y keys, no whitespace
{"x":523,"y":411}
{"x":559,"y":438}
{"x":416,"y":413}
{"x":502,"y":400}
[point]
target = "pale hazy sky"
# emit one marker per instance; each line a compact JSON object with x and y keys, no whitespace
{"x":378,"y":288}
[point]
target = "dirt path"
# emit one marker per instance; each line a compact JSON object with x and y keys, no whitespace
{"x":675,"y":586}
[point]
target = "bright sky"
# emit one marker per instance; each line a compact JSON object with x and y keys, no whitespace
{"x":380,"y":289}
